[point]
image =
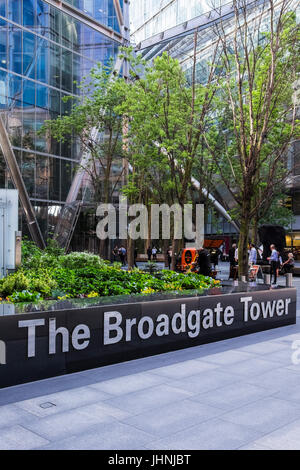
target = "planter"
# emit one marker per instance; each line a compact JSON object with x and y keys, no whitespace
{"x":54,"y":338}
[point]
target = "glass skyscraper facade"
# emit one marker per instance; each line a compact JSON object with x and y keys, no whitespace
{"x":46,"y":49}
{"x":150,"y":17}
{"x":167,"y":25}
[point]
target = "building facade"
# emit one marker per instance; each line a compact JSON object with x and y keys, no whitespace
{"x":46,"y":48}
{"x":170,"y":26}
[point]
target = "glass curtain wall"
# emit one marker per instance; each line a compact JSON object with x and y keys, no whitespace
{"x":150,"y":17}
{"x":44,"y":54}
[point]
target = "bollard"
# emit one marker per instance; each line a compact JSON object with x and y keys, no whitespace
{"x":267,"y":278}
{"x":289,"y":279}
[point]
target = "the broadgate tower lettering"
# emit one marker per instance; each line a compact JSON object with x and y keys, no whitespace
{"x":117,"y":328}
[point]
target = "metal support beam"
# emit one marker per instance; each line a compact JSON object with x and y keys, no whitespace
{"x":16,"y":176}
{"x":119,"y":13}
{"x":85,"y":18}
{"x":200,"y":22}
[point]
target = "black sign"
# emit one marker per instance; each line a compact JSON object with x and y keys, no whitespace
{"x":39,"y":345}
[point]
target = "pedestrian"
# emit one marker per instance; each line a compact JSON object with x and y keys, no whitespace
{"x":169,"y":257}
{"x":214,"y":257}
{"x":233,"y":261}
{"x":122,"y":254}
{"x":252,"y":254}
{"x":115,"y":252}
{"x":149,"y":253}
{"x":231,"y":255}
{"x":203,"y":262}
{"x":288,"y":265}
{"x":274,"y":261}
{"x":154,"y":251}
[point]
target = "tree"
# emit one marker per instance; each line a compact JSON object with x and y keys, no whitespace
{"x":167,"y":117}
{"x":255,"y":113}
{"x":94,"y":121}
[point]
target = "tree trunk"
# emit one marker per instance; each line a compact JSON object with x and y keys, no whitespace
{"x":130,"y":253}
{"x":243,"y":243}
{"x":166,"y":248}
{"x":175,"y":247}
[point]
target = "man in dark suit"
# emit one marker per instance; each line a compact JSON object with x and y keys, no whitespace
{"x":203,"y":262}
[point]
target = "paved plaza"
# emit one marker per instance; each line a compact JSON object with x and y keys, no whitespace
{"x":241,"y":393}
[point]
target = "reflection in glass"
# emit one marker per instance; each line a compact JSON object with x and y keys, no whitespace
{"x":55,"y":24}
{"x":3,"y":47}
{"x":54,"y":179}
{"x":29,"y":13}
{"x":42,"y":96}
{"x":66,"y":176}
{"x":42,"y":17}
{"x":66,"y":70}
{"x":28,"y":172}
{"x":29,"y":54}
{"x":15,"y":49}
{"x":42,"y":177}
{"x":42,"y":72}
{"x":28,"y":93}
{"x":15,"y":10}
{"x":55,"y":65}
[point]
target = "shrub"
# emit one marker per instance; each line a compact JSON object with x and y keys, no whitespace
{"x":77,"y":260}
{"x":14,"y":283}
{"x":25,"y":296}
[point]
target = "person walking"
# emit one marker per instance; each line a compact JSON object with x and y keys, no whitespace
{"x":149,"y":253}
{"x":252,"y":255}
{"x":203,"y":262}
{"x":214,"y":257}
{"x":169,"y":257}
{"x":274,"y":261}
{"x":154,"y":252}
{"x":288,"y":265}
{"x":232,"y":261}
{"x":122,"y":254}
{"x":115,"y":252}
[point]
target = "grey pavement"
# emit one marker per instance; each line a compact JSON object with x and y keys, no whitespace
{"x":241,"y":393}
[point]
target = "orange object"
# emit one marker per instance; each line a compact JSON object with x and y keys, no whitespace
{"x":186,"y":258}
{"x":209,"y":243}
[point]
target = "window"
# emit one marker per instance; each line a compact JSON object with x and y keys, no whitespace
{"x":55,"y":65}
{"x":15,"y":10}
{"x":42,"y":64}
{"x":66,"y":70}
{"x":28,"y":172}
{"x":29,"y":13}
{"x":15,"y":49}
{"x":29,"y":54}
{"x":42,"y":177}
{"x":3,"y":48}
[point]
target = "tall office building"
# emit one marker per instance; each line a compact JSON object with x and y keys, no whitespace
{"x":46,"y":48}
{"x":149,"y":17}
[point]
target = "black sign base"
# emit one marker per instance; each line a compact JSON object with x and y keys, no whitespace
{"x":35,"y":346}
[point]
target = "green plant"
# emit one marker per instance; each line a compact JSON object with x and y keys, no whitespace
{"x":25,"y":296}
{"x":151,"y":267}
{"x":13,"y":283}
{"x":77,"y":260}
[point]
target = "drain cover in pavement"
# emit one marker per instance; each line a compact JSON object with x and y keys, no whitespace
{"x":47,"y":404}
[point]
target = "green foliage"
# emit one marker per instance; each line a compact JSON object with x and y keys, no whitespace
{"x":86,"y":275}
{"x":77,"y":260}
{"x":151,"y":267}
{"x":40,"y":280}
{"x":14,"y":283}
{"x":25,"y":296}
